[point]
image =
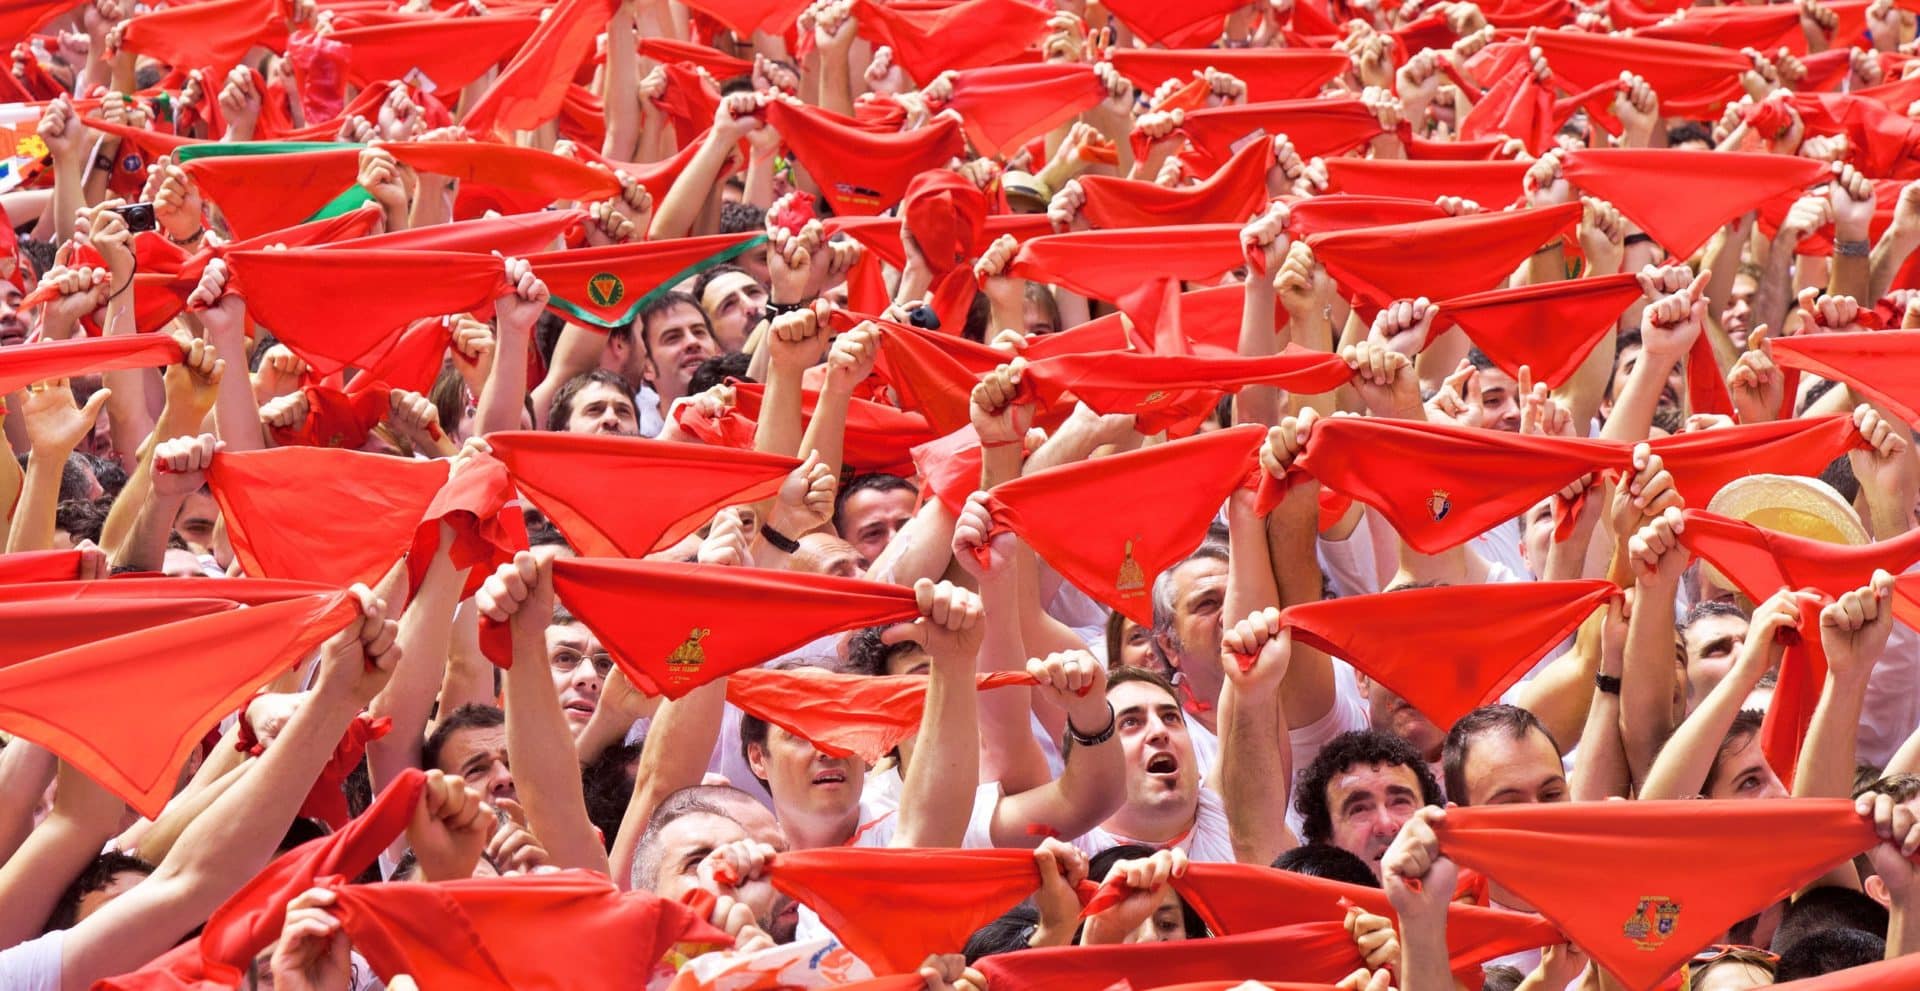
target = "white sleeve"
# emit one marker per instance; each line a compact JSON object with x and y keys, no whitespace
{"x":33,"y":965}
{"x":1349,"y":712}
{"x":1892,"y":708}
{"x":1350,"y":564}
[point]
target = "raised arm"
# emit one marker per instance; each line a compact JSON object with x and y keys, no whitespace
{"x":426,"y":632}
{"x":1647,"y":672}
{"x":236,"y":411}
{"x":503,"y":398}
{"x":55,"y":426}
{"x":1256,"y":756}
{"x":936,"y":799}
{"x":84,"y":817}
{"x":180,"y":469}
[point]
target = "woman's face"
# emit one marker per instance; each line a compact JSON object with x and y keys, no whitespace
{"x":1166,"y":924}
{"x":1732,"y":975}
{"x":1136,"y":645}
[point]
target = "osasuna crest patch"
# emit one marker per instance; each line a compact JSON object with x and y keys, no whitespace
{"x":1439,"y":505}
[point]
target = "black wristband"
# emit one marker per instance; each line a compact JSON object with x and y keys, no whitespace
{"x":1852,"y":249}
{"x":777,"y":309}
{"x":1606,"y":683}
{"x":1084,"y":740}
{"x":780,"y":541}
{"x":1637,"y":237}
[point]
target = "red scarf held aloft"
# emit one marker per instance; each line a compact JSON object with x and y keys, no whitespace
{"x":1764,"y":28}
{"x":1451,"y":649}
{"x":314,"y":514}
{"x":949,"y":469}
{"x":1694,"y":81}
{"x":946,"y":214}
{"x":878,"y":438}
{"x":1270,"y":73}
{"x":451,"y":52}
{"x":159,"y":296}
{"x":1643,"y":885}
{"x":336,"y":418}
{"x":1550,"y":328}
{"x":42,"y":361}
{"x":1235,"y":899}
{"x":861,"y":895}
{"x":251,"y":920}
{"x":1493,"y":185}
{"x":1174,"y":393}
{"x":36,"y":627}
{"x":214,"y":34}
{"x":377,"y":291}
{"x":1317,"y":952}
{"x":744,"y":17}
{"x":412,"y":362}
{"x":1138,"y":269}
{"x":1173,"y":491}
{"x":1003,"y":107}
{"x":670,"y":50}
{"x":605,"y":287}
{"x":865,"y":173}
{"x":22,"y":567}
{"x":1441,"y":485}
{"x":1232,"y":195}
{"x":1318,"y":128}
{"x":675,"y":627}
{"x":628,"y":496}
{"x":929,"y":379}
{"x":927,"y":41}
{"x":247,"y":591}
{"x":154,"y":693}
{"x":257,"y":194}
{"x":529,"y":91}
{"x":1884,"y":366}
{"x":1681,"y":197}
{"x":1160,"y":23}
{"x":1209,"y":320}
{"x":1345,"y":211}
{"x":473,"y":933}
{"x":843,"y":715}
{"x":1438,"y":259}
{"x":881,"y":235}
{"x":479,"y":504}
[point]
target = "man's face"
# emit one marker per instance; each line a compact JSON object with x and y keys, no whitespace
{"x":1711,"y":643}
{"x":1745,"y":773}
{"x":1155,"y":745}
{"x":94,"y":901}
{"x":869,"y":518}
{"x":826,"y":554}
{"x":1623,"y":369}
{"x":677,"y":342}
{"x":803,"y":780}
{"x":684,"y":843}
{"x":195,"y":522}
{"x":478,"y":754}
{"x":1389,"y":713}
{"x":1036,"y":319}
{"x":579,"y":667}
{"x":1499,"y":407}
{"x":1737,"y":318}
{"x":754,"y":260}
{"x":734,"y":302}
{"x":13,"y":330}
{"x":180,"y":564}
{"x":603,"y":409}
{"x":1536,"y":536}
{"x":1199,"y":590}
{"x":1502,"y":770}
{"x":1368,"y":804}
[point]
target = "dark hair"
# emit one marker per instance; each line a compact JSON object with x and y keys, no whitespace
{"x":1005,"y":934}
{"x":546,"y":335}
{"x":96,"y":877}
{"x":692,"y":800}
{"x":663,"y":303}
{"x":1327,"y":861}
{"x":473,"y":715}
{"x":1824,"y":908}
{"x":542,"y":533}
{"x":1839,"y":474}
{"x":1829,"y":950}
{"x":1500,"y":977}
{"x":1902,"y":787}
{"x":37,"y":253}
{"x":562,"y":409}
{"x":1101,"y":864}
{"x":76,"y":477}
{"x":1686,"y":131}
{"x":872,"y":481}
{"x":1125,"y":674}
{"x":1349,"y":749}
{"x":448,"y":395}
{"x":741,"y":218}
{"x":608,"y":784}
{"x":700,"y":283}
{"x":1703,"y":610}
{"x":717,"y":370}
{"x":1745,"y":724}
{"x":1819,"y":388}
{"x":1669,"y":419}
{"x":82,"y":519}
{"x":1499,"y":717}
{"x":1479,"y":359}
{"x":108,"y":472}
{"x":867,"y":655}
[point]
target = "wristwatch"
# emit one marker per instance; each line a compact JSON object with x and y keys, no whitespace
{"x":1606,"y":683}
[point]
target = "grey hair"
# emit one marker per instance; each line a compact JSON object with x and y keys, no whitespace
{"x":1163,"y":605}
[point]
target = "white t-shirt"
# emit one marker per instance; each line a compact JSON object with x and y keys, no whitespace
{"x":646,"y":407}
{"x":33,"y":965}
{"x":1207,"y":841}
{"x":1892,"y":707}
{"x":1349,"y":713}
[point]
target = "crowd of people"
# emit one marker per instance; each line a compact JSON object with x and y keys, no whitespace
{"x":973,"y":495}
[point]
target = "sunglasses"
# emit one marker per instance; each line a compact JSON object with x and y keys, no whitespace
{"x":1750,"y":955}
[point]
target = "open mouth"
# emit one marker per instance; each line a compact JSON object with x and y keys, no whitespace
{"x":1163,"y":764}
{"x":830,"y":776}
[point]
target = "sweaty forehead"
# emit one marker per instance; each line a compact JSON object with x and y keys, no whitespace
{"x":575,"y":636}
{"x":463,"y":744}
{"x":700,"y":829}
{"x":1144,"y":695}
{"x":1197,"y":571}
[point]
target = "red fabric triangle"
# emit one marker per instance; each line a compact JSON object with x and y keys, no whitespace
{"x":529,"y":91}
{"x":1112,"y":264}
{"x":412,"y":362}
{"x":881,"y":235}
{"x":542,"y":174}
{"x":946,"y":215}
{"x":1158,"y":23}
{"x":1517,"y":106}
{"x":884,"y":164}
{"x":700,"y":623}
{"x":481,"y":506}
{"x":1673,"y":200}
{"x":689,"y":101}
{"x":22,"y":567}
{"x":451,"y":52}
{"x":1230,"y":196}
{"x":928,"y":40}
{"x":1005,"y":106}
{"x":1270,"y":73}
{"x":930,"y":380}
{"x":1493,"y":185}
{"x":668,"y":50}
{"x":744,"y":17}
{"x":954,"y":892}
{"x":335,"y":517}
{"x":1344,"y":211}
{"x":20,"y":18}
{"x":1761,"y":562}
{"x":948,"y":468}
{"x":152,"y":695}
{"x":251,"y":920}
{"x":261,"y":193}
{"x":1174,"y":491}
{"x":1550,"y":328}
{"x":605,"y":287}
{"x":25,"y":364}
{"x":1642,"y":885}
{"x":878,"y":438}
{"x":1694,"y":81}
{"x":159,"y":296}
{"x":1764,"y":28}
{"x":628,"y":496}
{"x":247,"y":591}
{"x":1318,"y":128}
{"x":473,"y":933}
{"x":336,"y":418}
{"x":1450,"y":649}
{"x":38,"y":626}
{"x":1883,"y":365}
{"x":1437,"y":259}
{"x":1319,"y":952}
{"x":845,"y":714}
{"x":385,"y":290}
{"x":215,"y":34}
{"x":1174,"y":392}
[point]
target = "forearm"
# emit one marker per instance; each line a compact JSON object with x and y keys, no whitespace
{"x":1559,"y":696}
{"x":1423,"y":953}
{"x":1681,"y":769}
{"x":236,"y":413}
{"x":83,"y":819}
{"x":1258,"y":404}
{"x":26,"y":769}
{"x":1774,"y":295}
{"x":1632,"y":418}
{"x":470,"y":677}
{"x":503,"y":398}
{"x":826,"y":431}
{"x":1646,"y":678}
{"x":1256,"y":761}
{"x":546,"y":775}
{"x":679,"y":746}
{"x":1008,"y":752}
{"x":933,"y":804}
{"x":1826,"y":765}
{"x":1600,"y":767}
{"x":758,"y":187}
{"x":836,"y":81}
{"x":68,"y":197}
{"x":144,"y":548}
{"x":426,"y":636}
{"x":159,"y":837}
{"x":1308,"y":690}
{"x":681,"y":206}
{"x":1887,"y":259}
{"x":622,"y":93}
{"x":32,"y":527}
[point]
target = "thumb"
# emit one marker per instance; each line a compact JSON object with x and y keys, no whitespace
{"x":95,"y":403}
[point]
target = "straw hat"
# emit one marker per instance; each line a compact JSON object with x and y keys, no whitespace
{"x":1791,"y":504}
{"x":1024,"y":188}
